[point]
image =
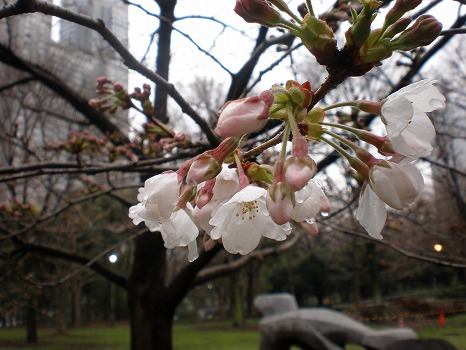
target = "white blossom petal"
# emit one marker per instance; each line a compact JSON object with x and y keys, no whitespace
{"x":397,"y":113}
{"x":415,"y":140}
{"x":193,"y":253}
{"x":423,"y":94}
{"x":371,"y":213}
{"x":397,"y":185}
{"x":179,"y":230}
{"x":243,"y":220}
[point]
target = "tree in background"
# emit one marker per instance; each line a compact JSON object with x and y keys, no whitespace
{"x":100,"y":163}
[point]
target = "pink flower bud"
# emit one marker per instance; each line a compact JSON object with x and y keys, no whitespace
{"x":280,"y":203}
{"x":244,"y":116}
{"x":299,"y":171}
{"x":205,"y":194}
{"x":257,"y":11}
{"x":204,"y":168}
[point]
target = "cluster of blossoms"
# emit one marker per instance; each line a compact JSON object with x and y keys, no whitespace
{"x":241,"y":202}
{"x":237,"y":202}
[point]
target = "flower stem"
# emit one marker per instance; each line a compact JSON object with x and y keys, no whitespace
{"x":339,"y":149}
{"x":343,"y":127}
{"x":309,"y":7}
{"x":292,"y":120}
{"x":355,"y":163}
{"x":360,"y":152}
{"x":342,"y":140}
{"x":286,"y":136}
{"x":341,"y":104}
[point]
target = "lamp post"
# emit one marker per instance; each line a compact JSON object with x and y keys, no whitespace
{"x":113,"y":258}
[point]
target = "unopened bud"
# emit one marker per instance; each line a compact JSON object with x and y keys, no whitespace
{"x":258,"y":11}
{"x":204,"y":167}
{"x":374,"y":54}
{"x":399,"y":9}
{"x":315,"y":115}
{"x":301,"y":94}
{"x":318,"y":38}
{"x":299,"y":171}
{"x":243,"y":116}
{"x":397,"y":27}
{"x":423,"y":32}
{"x":280,"y":203}
{"x":261,"y":174}
{"x":358,"y":33}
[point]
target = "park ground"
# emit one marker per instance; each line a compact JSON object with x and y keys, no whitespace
{"x":207,"y":335}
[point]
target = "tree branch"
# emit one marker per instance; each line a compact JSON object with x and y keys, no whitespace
{"x":229,"y":268}
{"x":61,"y":89}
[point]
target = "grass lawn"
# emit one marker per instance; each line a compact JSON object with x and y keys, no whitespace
{"x":200,"y":336}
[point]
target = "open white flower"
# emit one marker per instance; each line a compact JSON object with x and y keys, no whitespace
{"x":180,"y":231}
{"x":404,"y":114}
{"x":134,"y":212}
{"x":397,"y":185}
{"x":244,"y":219}
{"x":226,"y":185}
{"x":159,"y":195}
{"x":308,"y":203}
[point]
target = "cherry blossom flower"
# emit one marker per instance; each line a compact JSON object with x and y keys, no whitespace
{"x":397,"y":185}
{"x":244,"y":219}
{"x":226,"y":185}
{"x":243,"y":116}
{"x":180,"y":231}
{"x":404,"y":114}
{"x":310,"y":201}
{"x":160,"y":194}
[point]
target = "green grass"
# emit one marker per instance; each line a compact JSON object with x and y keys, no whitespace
{"x":454,"y":331}
{"x":200,"y":336}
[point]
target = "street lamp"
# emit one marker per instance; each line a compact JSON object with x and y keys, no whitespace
{"x":113,"y":258}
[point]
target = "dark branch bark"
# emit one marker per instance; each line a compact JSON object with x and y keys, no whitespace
{"x":229,"y":268}
{"x":167,"y":14}
{"x":16,"y":83}
{"x":61,"y":253}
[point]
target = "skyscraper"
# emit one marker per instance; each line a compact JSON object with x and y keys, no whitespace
{"x":76,"y":55}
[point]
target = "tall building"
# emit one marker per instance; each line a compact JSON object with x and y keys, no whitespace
{"x":75,"y":54}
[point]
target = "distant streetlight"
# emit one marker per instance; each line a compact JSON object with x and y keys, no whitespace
{"x":113,"y":258}
{"x":438,"y":247}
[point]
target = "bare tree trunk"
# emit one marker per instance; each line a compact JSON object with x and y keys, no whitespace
{"x":76,"y":304}
{"x":31,"y":320}
{"x":151,"y":310}
{"x":167,"y":13}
